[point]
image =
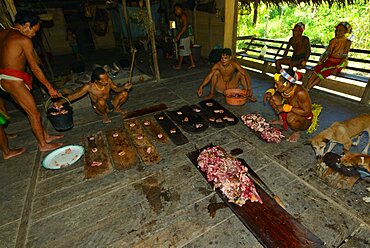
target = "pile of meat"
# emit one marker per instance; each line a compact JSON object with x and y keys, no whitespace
{"x":259,"y":124}
{"x":228,"y":174}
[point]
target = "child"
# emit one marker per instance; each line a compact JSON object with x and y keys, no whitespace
{"x":335,"y":58}
{"x":301,"y":49}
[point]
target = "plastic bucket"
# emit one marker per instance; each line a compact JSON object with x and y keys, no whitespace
{"x":196,"y":52}
{"x":60,"y":122}
{"x":235,"y":96}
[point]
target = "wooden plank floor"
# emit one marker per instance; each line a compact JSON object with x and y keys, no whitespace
{"x":166,"y":204}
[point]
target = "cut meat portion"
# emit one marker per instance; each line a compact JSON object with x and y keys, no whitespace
{"x":259,"y":125}
{"x":227,"y":173}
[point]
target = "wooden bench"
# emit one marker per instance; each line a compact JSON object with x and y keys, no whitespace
{"x":356,"y":70}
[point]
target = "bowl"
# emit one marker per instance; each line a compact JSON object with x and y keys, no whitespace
{"x":235,"y":96}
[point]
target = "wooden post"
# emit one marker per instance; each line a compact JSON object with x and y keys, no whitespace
{"x":152,"y":38}
{"x":124,"y":10}
{"x":231,"y":16}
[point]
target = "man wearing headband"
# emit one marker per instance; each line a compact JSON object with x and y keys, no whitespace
{"x":301,"y":49}
{"x":227,"y":74}
{"x":335,"y":58}
{"x":291,"y":102}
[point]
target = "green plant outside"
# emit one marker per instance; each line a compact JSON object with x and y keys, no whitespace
{"x":276,"y":22}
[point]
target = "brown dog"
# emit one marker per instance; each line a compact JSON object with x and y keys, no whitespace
{"x":342,"y":132}
{"x":356,"y":160}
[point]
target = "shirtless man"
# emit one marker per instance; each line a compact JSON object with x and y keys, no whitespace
{"x":226,"y":74}
{"x":301,"y":49}
{"x":99,"y":91}
{"x":291,"y":102}
{"x":335,"y":58}
{"x":16,"y":50}
{"x":183,"y":36}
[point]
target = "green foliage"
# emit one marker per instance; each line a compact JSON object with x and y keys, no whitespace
{"x":319,"y":20}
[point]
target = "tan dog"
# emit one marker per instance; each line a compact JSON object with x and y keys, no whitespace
{"x":356,"y":160}
{"x":342,"y":132}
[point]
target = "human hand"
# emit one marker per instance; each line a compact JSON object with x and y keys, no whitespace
{"x":249,"y":93}
{"x":200,"y":91}
{"x":54,"y":93}
{"x":304,"y":63}
{"x":278,"y":109}
{"x":266,"y":97}
{"x":127,"y":86}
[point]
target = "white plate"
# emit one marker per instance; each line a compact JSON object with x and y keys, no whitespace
{"x":63,"y":157}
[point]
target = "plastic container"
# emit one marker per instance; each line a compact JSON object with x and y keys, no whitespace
{"x":235,"y":97}
{"x":60,"y":122}
{"x":196,"y":51}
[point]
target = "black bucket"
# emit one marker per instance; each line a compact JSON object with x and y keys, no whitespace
{"x":60,"y":122}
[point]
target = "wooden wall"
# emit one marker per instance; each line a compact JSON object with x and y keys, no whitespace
{"x":209,"y":31}
{"x":55,"y":36}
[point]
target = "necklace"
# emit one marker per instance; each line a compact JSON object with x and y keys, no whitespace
{"x":290,"y":93}
{"x":96,"y":86}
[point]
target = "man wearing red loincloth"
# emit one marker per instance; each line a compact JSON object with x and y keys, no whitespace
{"x":16,"y":50}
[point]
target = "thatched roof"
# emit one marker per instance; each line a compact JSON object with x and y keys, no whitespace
{"x":314,"y":2}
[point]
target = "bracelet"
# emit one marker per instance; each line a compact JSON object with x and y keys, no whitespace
{"x":272,"y":91}
{"x":287,"y":108}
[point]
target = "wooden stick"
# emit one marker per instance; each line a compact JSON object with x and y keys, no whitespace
{"x":132,"y":64}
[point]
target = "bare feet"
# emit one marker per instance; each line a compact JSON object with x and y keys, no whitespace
{"x":191,"y":67}
{"x":11,"y":135}
{"x":49,"y":138}
{"x":294,"y":136}
{"x":13,"y":153}
{"x":50,"y":147}
{"x":106,"y":119}
{"x":276,"y":122}
{"x":176,"y":67}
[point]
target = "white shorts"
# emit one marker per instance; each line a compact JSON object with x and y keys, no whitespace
{"x":184,"y":47}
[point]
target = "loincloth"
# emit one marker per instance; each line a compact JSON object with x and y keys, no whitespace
{"x":297,"y":57}
{"x":329,"y":67}
{"x":284,"y":117}
{"x":16,"y":75}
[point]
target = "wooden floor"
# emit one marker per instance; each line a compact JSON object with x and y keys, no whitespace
{"x":166,"y":205}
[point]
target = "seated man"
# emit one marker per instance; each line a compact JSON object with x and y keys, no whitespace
{"x":291,"y":102}
{"x":335,"y":58}
{"x":99,"y":91}
{"x":226,"y":74}
{"x":301,"y":49}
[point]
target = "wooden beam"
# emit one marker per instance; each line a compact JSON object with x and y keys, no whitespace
{"x":230,"y":24}
{"x":152,"y":38}
{"x":124,"y":10}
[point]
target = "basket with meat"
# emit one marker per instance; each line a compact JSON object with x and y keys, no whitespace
{"x":262,"y":128}
{"x":228,"y":174}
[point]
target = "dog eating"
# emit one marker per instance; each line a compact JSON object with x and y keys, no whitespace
{"x":342,"y":132}
{"x":357,"y":160}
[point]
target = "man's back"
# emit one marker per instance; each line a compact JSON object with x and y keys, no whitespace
{"x":12,"y":53}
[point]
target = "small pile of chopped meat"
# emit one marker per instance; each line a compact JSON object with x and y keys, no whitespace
{"x":228,"y":174}
{"x":258,"y":123}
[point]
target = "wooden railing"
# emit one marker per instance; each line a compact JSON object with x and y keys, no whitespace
{"x":358,"y":68}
